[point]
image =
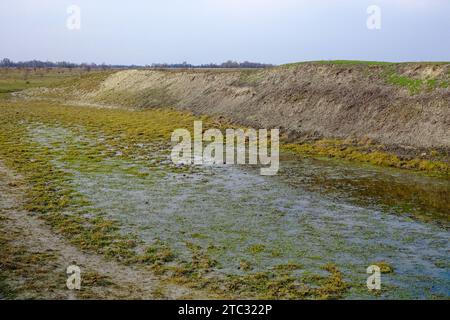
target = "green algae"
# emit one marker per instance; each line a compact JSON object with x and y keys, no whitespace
{"x":363,"y":153}
{"x":384,"y":267}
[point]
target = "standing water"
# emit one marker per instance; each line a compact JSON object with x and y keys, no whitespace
{"x":314,"y":212}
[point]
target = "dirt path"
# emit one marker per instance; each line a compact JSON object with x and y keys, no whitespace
{"x":33,"y":260}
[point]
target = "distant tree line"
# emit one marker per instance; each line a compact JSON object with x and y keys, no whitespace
{"x":7,"y":63}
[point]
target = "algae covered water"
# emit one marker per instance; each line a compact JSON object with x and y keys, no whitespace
{"x":314,"y":212}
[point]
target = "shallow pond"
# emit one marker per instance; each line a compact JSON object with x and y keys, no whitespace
{"x":312,"y":213}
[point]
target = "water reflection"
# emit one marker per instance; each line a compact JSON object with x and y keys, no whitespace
{"x":424,"y":198}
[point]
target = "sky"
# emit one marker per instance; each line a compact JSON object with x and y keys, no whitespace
{"x":202,"y":31}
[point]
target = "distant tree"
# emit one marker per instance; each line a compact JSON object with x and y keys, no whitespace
{"x":6,"y":63}
{"x":36,"y":64}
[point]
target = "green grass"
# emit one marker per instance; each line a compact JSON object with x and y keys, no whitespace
{"x":340,"y":62}
{"x":391,"y":75}
{"x":415,"y":85}
{"x":384,"y":267}
{"x":354,"y":62}
{"x":362,"y":153}
{"x":360,"y":62}
{"x":14,"y":80}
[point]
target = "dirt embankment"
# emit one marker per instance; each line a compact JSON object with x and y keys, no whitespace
{"x":401,"y":106}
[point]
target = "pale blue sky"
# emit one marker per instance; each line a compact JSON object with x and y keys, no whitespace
{"x":203,"y":31}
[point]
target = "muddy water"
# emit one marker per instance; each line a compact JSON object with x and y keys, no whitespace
{"x":312,"y":213}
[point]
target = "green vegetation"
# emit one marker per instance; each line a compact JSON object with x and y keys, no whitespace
{"x":364,"y":153}
{"x":354,"y":62}
{"x":159,"y":253}
{"x":85,"y":81}
{"x":288,"y":267}
{"x":416,"y":86}
{"x":359,"y":62}
{"x":249,"y":77}
{"x":384,"y":267}
{"x":391,"y":73}
{"x":86,"y":139}
{"x":13,"y":80}
{"x":18,"y":263}
{"x":50,"y":194}
{"x":340,"y":62}
{"x":245,"y":265}
{"x":257,"y":248}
